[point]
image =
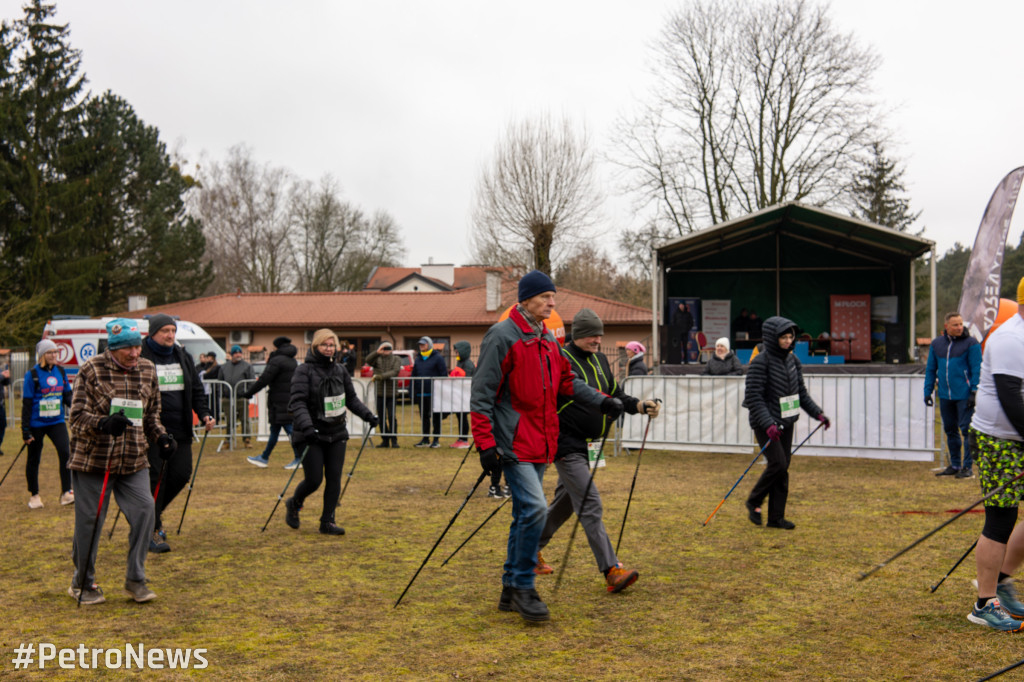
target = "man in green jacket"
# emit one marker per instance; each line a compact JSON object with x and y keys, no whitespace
{"x":386,"y":366}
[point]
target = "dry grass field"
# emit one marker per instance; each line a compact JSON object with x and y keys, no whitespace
{"x":724,"y":602}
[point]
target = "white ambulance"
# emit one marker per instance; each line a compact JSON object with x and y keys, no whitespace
{"x":80,"y":338}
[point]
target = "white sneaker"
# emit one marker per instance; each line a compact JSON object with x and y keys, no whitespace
{"x":35,"y":502}
{"x":67,"y":498}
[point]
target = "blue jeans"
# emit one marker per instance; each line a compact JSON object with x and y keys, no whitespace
{"x":956,"y":419}
{"x":529,"y":512}
{"x":275,"y":432}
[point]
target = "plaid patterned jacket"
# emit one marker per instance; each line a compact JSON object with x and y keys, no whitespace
{"x":98,"y":382}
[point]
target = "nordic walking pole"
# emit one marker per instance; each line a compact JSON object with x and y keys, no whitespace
{"x":468,"y":450}
{"x":760,"y":452}
{"x":820,"y":424}
{"x":586,"y":494}
{"x":942,"y":525}
{"x":483,"y":475}
{"x":489,"y":517}
{"x":1004,"y":670}
{"x":281,"y":496}
{"x":191,"y":483}
{"x":353,"y":469}
{"x":114,"y":524}
{"x":13,"y":462}
{"x":632,"y":486}
{"x":95,"y":532}
{"x":958,"y":562}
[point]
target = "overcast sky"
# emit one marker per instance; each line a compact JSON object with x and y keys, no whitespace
{"x":403,"y":102}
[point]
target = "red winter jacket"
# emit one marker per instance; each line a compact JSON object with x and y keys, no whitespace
{"x":514,"y":399}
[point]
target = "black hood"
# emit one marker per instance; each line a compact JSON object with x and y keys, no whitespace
{"x":772,"y":329}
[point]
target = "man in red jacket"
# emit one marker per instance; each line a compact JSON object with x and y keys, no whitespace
{"x":519,"y":377}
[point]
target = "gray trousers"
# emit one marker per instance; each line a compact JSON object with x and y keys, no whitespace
{"x":573,"y":476}
{"x":136,"y":502}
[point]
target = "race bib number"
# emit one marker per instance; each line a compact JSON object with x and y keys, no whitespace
{"x":170,"y":377}
{"x":789,"y":406}
{"x":334,"y":406}
{"x":132,"y":409}
{"x":594,"y":455}
{"x":49,"y":406}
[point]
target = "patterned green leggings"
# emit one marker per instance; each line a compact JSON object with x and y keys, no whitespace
{"x":999,"y":461}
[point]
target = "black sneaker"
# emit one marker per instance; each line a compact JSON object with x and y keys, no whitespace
{"x":394,"y":442}
{"x":753,"y":514}
{"x":494,"y":491}
{"x":505,"y":603}
{"x":965,"y":473}
{"x":291,"y":514}
{"x":506,"y":491}
{"x":948,"y":471}
{"x":425,"y":443}
{"x":158,"y":545}
{"x":435,"y":444}
{"x":330,"y":528}
{"x":781,"y":523}
{"x":527,"y":602}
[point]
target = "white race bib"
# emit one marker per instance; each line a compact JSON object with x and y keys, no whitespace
{"x":789,"y":406}
{"x":170,"y":377}
{"x":594,"y":455}
{"x":49,"y":406}
{"x":334,"y":406}
{"x":132,"y":409}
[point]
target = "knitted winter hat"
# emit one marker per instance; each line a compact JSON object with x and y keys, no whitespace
{"x":122,"y":333}
{"x":587,"y":323}
{"x":236,"y":349}
{"x":636,"y":347}
{"x":723,"y":342}
{"x":533,"y":283}
{"x":281,"y":341}
{"x":159,"y":321}
{"x":44,"y":347}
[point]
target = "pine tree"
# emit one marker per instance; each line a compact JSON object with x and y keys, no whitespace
{"x":877,"y":191}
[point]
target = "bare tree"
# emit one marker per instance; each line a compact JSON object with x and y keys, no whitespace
{"x":334,"y":245}
{"x":537,"y":196}
{"x":589,"y":269}
{"x":755,"y":104}
{"x":244,"y":209}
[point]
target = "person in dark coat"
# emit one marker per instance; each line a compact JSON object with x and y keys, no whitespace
{"x":321,"y":393}
{"x":775,"y":394}
{"x":277,"y":379}
{"x":636,"y":367}
{"x":428,"y":364}
{"x":386,"y":367}
{"x":462,"y":361}
{"x":724,"y":361}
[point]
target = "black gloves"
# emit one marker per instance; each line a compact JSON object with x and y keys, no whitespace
{"x":114,"y":425}
{"x":373,"y":421}
{"x":165,"y":442}
{"x":489,"y":460}
{"x":612,"y":407}
{"x":928,"y":401}
{"x":971,"y":400}
{"x":309,"y":436}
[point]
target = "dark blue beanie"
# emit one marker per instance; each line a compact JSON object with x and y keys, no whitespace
{"x":533,"y":283}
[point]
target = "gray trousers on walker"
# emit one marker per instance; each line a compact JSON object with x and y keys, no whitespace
{"x":134,"y":499}
{"x":573,"y":477}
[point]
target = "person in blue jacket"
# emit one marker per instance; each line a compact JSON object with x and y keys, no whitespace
{"x":46,"y":394}
{"x":954,"y":360}
{"x":428,"y":364}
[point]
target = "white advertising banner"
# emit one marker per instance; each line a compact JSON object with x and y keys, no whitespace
{"x":716,"y":319}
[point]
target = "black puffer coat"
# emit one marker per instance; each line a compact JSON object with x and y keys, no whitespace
{"x":277,"y":377}
{"x":773,"y":374}
{"x":307,"y":398}
{"x":718,"y":367}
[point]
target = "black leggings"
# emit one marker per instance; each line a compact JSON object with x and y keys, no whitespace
{"x":58,"y":435}
{"x":323,"y":461}
{"x":179,"y":471}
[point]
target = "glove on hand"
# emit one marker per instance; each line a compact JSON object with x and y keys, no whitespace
{"x":774,"y":433}
{"x":373,"y":421}
{"x":612,"y":407}
{"x":167,"y":445}
{"x":651,"y":408}
{"x":490,"y":461}
{"x":115,"y":425}
{"x":825,"y":420}
{"x":928,"y":401}
{"x":971,"y":399}
{"x":309,"y":436}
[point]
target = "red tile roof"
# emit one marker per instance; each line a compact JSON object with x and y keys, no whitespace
{"x":465,"y":277}
{"x":372,"y":309}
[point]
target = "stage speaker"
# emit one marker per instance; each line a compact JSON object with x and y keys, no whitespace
{"x":895,"y":344}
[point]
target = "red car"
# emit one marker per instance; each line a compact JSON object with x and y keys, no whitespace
{"x":406,"y":356}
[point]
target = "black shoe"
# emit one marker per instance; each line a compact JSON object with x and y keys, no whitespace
{"x":394,"y":442}
{"x":425,"y":443}
{"x":528,"y":604}
{"x":158,"y":544}
{"x":782,"y":523}
{"x":495,"y":491}
{"x":948,"y":471}
{"x":505,"y":603}
{"x":435,"y":444}
{"x":329,"y":528}
{"x":753,"y":514}
{"x":291,"y":514}
{"x":965,"y":473}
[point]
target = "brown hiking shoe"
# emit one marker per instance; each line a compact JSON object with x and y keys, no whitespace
{"x":619,"y":578}
{"x":542,"y":567}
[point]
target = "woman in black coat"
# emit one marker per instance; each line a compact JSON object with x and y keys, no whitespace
{"x":635,"y":354}
{"x":321,"y":392}
{"x":724,"y":361}
{"x":277,"y":378}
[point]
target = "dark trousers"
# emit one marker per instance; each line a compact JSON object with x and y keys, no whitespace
{"x":178,"y":471}
{"x":429,"y":418}
{"x":323,"y":464}
{"x":3,"y":419}
{"x":774,"y":482}
{"x":956,"y":420}
{"x":58,"y":435}
{"x":386,"y":412}
{"x":573,"y":481}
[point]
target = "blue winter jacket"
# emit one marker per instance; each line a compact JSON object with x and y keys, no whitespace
{"x":956,"y":363}
{"x":433,"y":366}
